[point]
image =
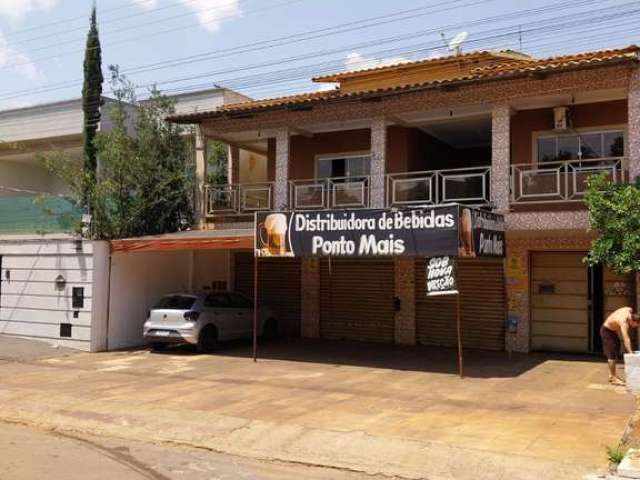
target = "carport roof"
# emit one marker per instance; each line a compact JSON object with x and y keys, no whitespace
{"x":189,"y":240}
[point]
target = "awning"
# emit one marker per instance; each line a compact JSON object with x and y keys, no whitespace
{"x":191,"y":240}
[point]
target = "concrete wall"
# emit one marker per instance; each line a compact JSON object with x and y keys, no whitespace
{"x":138,"y":280}
{"x":30,"y":304}
{"x":30,"y":176}
{"x":253,"y":167}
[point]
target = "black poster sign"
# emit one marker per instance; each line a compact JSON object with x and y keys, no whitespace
{"x":448,"y":230}
{"x":441,"y":276}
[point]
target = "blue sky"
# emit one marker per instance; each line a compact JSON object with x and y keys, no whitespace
{"x":42,"y":41}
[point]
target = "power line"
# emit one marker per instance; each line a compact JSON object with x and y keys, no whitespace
{"x":502,"y":33}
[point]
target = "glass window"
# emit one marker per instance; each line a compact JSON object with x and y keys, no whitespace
{"x":547,"y":149}
{"x":238,"y":301}
{"x":175,"y":302}
{"x":613,"y":144}
{"x":216,"y":300}
{"x":356,"y":166}
{"x":568,"y":147}
{"x":584,"y":146}
{"x":591,"y":145}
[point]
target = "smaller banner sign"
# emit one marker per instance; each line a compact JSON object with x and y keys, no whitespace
{"x":441,"y":276}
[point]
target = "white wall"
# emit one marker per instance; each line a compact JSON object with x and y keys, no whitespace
{"x":210,"y":266}
{"x":41,"y":121}
{"x":30,"y":304}
{"x":30,"y":176}
{"x":138,"y":280}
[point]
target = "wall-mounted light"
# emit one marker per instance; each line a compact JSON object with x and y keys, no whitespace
{"x":60,"y":282}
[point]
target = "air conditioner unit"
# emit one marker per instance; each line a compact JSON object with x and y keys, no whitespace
{"x":562,"y":118}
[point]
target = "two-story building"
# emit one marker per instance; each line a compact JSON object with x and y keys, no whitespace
{"x":54,"y":285}
{"x":512,"y":133}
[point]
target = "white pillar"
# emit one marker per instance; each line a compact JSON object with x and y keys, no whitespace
{"x":378,"y":162}
{"x":633,"y":130}
{"x":281,"y":188}
{"x":201,"y":177}
{"x":500,"y":156}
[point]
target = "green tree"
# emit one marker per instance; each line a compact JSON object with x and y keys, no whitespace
{"x":91,"y":104}
{"x":217,"y":163}
{"x":614,"y":214}
{"x":144,"y":184}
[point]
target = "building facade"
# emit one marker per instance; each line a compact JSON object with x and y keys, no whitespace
{"x":511,"y":133}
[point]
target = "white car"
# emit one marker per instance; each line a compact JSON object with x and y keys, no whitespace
{"x":205,"y":319}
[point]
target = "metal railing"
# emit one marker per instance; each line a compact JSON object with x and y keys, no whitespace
{"x":469,"y":186}
{"x":562,"y":181}
{"x":334,"y":192}
{"x":238,"y":199}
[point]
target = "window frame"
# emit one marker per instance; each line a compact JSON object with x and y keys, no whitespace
{"x":339,"y":156}
{"x":603,"y":129}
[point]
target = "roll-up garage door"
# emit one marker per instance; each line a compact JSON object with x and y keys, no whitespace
{"x":279,"y":287}
{"x":356,"y":300}
{"x":559,"y":302}
{"x":482,"y":303}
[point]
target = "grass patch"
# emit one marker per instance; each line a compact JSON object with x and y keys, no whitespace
{"x":616,"y":454}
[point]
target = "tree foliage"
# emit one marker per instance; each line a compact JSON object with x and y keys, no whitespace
{"x":91,"y":104}
{"x":144,"y":184}
{"x":614,"y":213}
{"x":217,"y":163}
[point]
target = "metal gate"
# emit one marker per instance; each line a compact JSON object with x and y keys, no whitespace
{"x":356,"y":300}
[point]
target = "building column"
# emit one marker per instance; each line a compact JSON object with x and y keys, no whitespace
{"x":201,"y":177}
{"x":517,"y":335}
{"x":281,"y":188}
{"x":378,"y":162}
{"x":500,"y":156}
{"x":405,"y":292}
{"x":310,"y":293}
{"x":633,"y":130}
{"x":234,"y":164}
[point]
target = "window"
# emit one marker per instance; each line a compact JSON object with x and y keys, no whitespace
{"x":343,"y":166}
{"x":238,"y":301}
{"x":580,"y":146}
{"x":217,"y":300}
{"x":175,"y":302}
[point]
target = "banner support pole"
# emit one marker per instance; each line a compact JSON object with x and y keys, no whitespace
{"x":255,"y":308}
{"x":459,"y":328}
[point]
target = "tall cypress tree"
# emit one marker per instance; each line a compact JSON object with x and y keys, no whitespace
{"x":91,"y":103}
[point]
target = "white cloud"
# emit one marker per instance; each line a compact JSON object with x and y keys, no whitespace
{"x":211,"y":13}
{"x":19,"y":8}
{"x":146,"y":4}
{"x":17,"y":61}
{"x":357,"y":61}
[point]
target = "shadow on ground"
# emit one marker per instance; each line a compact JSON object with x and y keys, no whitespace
{"x":477,"y":364}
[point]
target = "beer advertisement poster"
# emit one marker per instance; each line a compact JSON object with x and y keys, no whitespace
{"x":429,"y":231}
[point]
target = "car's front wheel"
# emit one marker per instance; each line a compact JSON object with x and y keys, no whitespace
{"x":208,"y":340}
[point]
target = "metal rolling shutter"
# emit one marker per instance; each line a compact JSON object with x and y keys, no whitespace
{"x":559,"y":302}
{"x":481,"y":283}
{"x":356,"y":300}
{"x":279,"y":287}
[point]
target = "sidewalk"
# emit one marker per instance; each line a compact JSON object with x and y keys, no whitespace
{"x":531,"y":417}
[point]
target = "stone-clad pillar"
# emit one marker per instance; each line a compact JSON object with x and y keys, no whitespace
{"x":200,"y":144}
{"x":405,"y":292}
{"x":633,"y":130}
{"x":310,"y":292}
{"x":378,"y":162}
{"x":500,"y":156}
{"x":281,"y":189}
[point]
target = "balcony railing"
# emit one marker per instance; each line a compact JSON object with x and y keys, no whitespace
{"x":239,"y":199}
{"x":563,"y":181}
{"x":469,"y":186}
{"x":335,"y":192}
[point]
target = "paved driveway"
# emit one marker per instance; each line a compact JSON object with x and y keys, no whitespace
{"x":379,"y":409}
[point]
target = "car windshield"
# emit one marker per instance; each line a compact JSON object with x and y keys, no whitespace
{"x":175,"y":302}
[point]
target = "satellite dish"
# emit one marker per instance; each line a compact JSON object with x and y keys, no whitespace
{"x":455,"y":44}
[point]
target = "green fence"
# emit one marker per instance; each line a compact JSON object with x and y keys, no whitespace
{"x":26,"y":213}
